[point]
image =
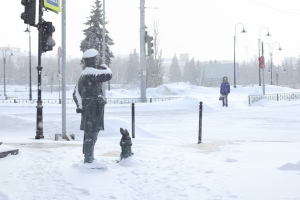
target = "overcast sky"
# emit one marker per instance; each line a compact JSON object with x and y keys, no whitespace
{"x":202,"y":28}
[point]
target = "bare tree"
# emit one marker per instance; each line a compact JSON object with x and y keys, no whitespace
{"x":155,"y":70}
{"x":119,"y":69}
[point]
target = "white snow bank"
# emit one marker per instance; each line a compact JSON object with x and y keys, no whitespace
{"x":4,"y":148}
{"x":112,"y":127}
{"x":290,"y":167}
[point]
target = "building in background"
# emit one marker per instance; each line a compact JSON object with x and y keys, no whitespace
{"x":214,"y":72}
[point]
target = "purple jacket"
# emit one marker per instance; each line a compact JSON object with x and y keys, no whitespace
{"x":225,"y":88}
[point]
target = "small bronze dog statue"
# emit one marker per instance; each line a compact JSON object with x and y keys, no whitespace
{"x":125,"y":144}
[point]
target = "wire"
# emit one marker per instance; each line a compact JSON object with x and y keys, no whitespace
{"x":271,"y":7}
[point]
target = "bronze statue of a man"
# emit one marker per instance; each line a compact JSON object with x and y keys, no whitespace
{"x":88,"y":96}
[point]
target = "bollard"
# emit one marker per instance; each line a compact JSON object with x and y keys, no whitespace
{"x":249,"y":99}
{"x":56,"y":137}
{"x":133,"y":120}
{"x":200,"y":123}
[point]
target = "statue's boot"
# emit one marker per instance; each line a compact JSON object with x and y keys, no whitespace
{"x":89,"y":142}
{"x":95,"y":137}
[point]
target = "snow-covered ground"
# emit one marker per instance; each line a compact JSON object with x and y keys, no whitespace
{"x":247,"y":152}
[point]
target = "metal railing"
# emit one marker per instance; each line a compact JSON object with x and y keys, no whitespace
{"x":275,"y":97}
{"x":109,"y":100}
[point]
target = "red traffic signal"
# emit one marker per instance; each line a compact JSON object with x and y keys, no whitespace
{"x":261,"y":62}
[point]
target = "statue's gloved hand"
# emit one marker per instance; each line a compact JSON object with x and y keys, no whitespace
{"x":78,"y":110}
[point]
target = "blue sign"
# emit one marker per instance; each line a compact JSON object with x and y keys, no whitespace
{"x":53,"y":5}
{"x":53,"y":2}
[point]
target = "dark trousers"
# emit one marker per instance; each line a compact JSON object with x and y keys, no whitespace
{"x":225,"y":100}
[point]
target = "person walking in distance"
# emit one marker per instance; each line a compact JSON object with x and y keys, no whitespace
{"x":225,"y":90}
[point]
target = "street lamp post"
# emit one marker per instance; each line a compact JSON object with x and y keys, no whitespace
{"x":4,"y":62}
{"x":271,"y":58}
{"x":51,"y":76}
{"x":277,"y":70}
{"x":234,"y":71}
{"x":270,"y":52}
{"x":30,"y":89}
{"x":259,"y":41}
{"x":271,"y":55}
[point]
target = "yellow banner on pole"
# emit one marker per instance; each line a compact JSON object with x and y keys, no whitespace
{"x":53,"y":5}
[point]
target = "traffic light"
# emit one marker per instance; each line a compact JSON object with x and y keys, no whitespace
{"x":29,"y":12}
{"x":261,"y":60}
{"x":47,"y":42}
{"x":149,"y":39}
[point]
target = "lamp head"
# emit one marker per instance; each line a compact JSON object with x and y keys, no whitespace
{"x":27,"y":30}
{"x":268,"y":34}
{"x":280,"y":49}
{"x":243,"y":31}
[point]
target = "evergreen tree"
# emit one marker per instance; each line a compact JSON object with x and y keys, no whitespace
{"x":93,"y":34}
{"x":186,"y":72}
{"x":119,"y":70}
{"x":200,"y":72}
{"x":193,"y":72}
{"x":175,"y":73}
{"x":132,"y":72}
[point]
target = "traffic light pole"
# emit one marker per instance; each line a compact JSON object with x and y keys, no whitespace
{"x":259,"y":76}
{"x":63,"y":69}
{"x":263,"y":69}
{"x":142,"y":51}
{"x":103,"y":46}
{"x":39,"y":107}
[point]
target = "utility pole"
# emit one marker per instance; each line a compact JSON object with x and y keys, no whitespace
{"x":103,"y":34}
{"x":59,"y":55}
{"x":103,"y":47}
{"x":63,"y":91}
{"x":142,"y":51}
{"x":259,"y":75}
{"x":263,"y":69}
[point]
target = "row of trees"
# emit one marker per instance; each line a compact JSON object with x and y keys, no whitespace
{"x":285,"y":74}
{"x":193,"y":71}
{"x":126,"y":71}
{"x":17,"y":70}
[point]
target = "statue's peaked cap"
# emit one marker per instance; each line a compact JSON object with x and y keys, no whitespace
{"x":90,"y":53}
